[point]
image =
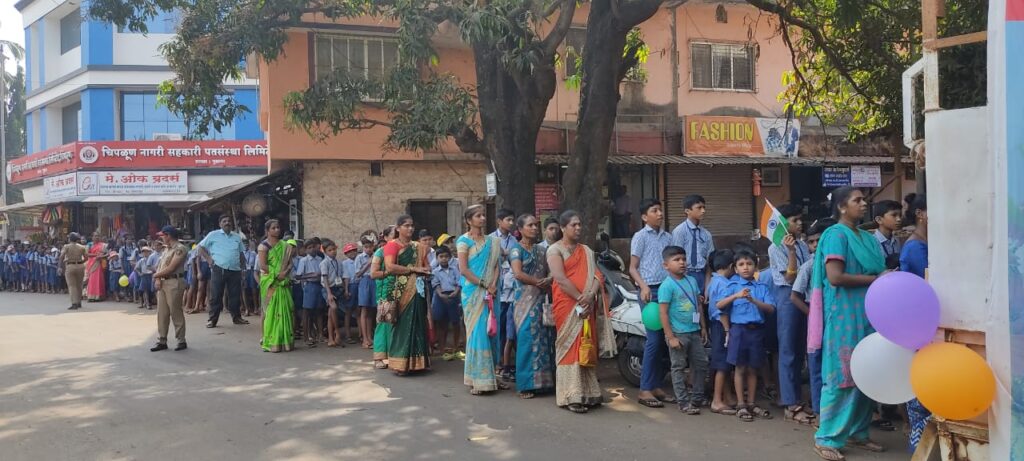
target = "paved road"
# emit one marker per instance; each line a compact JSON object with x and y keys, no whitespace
{"x":83,"y":385}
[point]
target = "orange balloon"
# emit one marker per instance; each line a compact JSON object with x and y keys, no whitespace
{"x":952,"y":381}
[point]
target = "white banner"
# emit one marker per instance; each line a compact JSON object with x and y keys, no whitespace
{"x":133,"y":183}
{"x":61,"y":186}
{"x":866,"y":176}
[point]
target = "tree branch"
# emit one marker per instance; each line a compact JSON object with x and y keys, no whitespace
{"x":550,"y":44}
{"x":631,"y":13}
{"x":469,"y":141}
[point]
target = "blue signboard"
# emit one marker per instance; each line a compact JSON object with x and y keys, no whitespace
{"x":835,"y":176}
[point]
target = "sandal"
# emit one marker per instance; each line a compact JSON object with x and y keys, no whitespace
{"x":667,"y":398}
{"x":866,"y":445}
{"x":797,"y":414}
{"x":829,"y":453}
{"x":380,"y":365}
{"x":726,"y":410}
{"x":744,"y":415}
{"x":503,"y":386}
{"x":883,"y":425}
{"x":577,"y":408}
{"x":760,"y":412}
{"x":689,"y":408}
{"x":527,"y":395}
{"x":651,"y":403}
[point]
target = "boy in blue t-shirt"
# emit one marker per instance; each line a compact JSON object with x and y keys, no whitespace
{"x":679,"y":305}
{"x":745,"y":340}
{"x":718,"y":289}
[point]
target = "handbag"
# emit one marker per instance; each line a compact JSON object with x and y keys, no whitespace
{"x":386,"y":312}
{"x":492,"y":322}
{"x":547,"y":314}
{"x":588,"y":356}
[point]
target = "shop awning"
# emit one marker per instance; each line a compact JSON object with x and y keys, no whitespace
{"x":681,"y":159}
{"x":219,"y":195}
{"x":180,"y":198}
{"x":38,"y":206}
{"x":858,"y":160}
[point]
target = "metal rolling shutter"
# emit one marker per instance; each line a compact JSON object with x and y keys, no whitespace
{"x":727,"y":189}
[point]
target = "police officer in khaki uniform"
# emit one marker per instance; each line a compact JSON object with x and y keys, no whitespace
{"x":72,"y":264}
{"x":169,"y":281}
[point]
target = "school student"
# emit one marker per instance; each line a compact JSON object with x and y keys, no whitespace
{"x":312,"y":292}
{"x":250,"y":286}
{"x":685,"y":334}
{"x":146,"y":278}
{"x":799,"y":298}
{"x":745,"y":340}
{"x":365,"y":292}
{"x":446,"y":306}
{"x":647,"y":268}
{"x":506,"y":295}
{"x":718,"y":328}
{"x":334,"y":292}
{"x":692,"y":237}
{"x":115,"y":269}
{"x":348,"y":300}
{"x":888,"y":217}
{"x":791,"y":324}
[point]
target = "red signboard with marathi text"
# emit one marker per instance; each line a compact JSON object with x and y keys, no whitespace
{"x":138,"y":155}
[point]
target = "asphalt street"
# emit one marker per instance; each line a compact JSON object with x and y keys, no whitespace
{"x":83,"y":385}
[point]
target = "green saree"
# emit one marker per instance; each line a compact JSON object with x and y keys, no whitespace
{"x":276,"y":296}
{"x":409,"y":349}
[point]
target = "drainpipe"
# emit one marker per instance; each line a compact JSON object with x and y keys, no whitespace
{"x":674,"y":57}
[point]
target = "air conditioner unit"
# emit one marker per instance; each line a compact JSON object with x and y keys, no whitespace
{"x":167,"y":137}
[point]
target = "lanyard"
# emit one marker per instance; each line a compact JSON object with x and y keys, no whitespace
{"x":688,"y":295}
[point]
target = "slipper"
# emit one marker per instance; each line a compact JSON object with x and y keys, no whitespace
{"x":380,"y":365}
{"x":760,"y":412}
{"x":727,"y":410}
{"x":797,"y":414}
{"x":651,"y":403}
{"x":828,"y":453}
{"x":527,"y":395}
{"x":744,"y":415}
{"x":667,"y":398}
{"x":866,"y":445}
{"x":577,"y":408}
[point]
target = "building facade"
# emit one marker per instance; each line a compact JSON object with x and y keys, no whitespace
{"x":92,"y":87}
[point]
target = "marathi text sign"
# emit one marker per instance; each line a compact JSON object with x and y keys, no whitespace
{"x":741,"y":136}
{"x":835,"y":176}
{"x":136,"y":155}
{"x":61,"y":186}
{"x":866,"y":176}
{"x":133,"y":183}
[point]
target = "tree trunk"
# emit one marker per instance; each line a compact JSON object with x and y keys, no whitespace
{"x":512,"y":107}
{"x":599,"y":98}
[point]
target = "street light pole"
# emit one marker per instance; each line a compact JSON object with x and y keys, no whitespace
{"x":3,"y":135}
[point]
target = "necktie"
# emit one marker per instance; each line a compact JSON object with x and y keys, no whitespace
{"x":693,"y":250}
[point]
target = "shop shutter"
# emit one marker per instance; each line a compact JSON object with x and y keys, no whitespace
{"x":726,"y":188}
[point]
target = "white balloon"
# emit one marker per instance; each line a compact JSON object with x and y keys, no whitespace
{"x":881,"y":370}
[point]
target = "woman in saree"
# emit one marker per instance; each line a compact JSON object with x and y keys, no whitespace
{"x":479,"y":257}
{"x":405,"y":286}
{"x":382,"y":333}
{"x":535,"y":351}
{"x":95,"y":287}
{"x":848,"y":260}
{"x":577,"y":295}
{"x":275,"y":261}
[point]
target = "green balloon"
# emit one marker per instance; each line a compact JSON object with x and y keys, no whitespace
{"x":651,"y":316}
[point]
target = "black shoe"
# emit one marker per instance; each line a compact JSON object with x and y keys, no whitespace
{"x":158,"y":347}
{"x":73,"y":307}
{"x":211,"y":324}
{"x":240,"y":321}
{"x":181,"y":346}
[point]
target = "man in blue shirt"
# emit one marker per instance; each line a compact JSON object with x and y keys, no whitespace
{"x":224,"y":251}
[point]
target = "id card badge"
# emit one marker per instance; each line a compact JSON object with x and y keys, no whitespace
{"x":696,"y":316}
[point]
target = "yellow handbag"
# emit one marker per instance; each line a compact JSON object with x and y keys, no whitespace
{"x":588,"y":353}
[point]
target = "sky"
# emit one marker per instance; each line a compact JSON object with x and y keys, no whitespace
{"x":10,"y":23}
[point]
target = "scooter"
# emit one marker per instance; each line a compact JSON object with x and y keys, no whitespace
{"x":624,"y":299}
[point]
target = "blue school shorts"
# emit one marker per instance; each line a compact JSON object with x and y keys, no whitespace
{"x":746,"y":345}
{"x":367,"y":292}
{"x":719,"y":353}
{"x":297,"y":295}
{"x":312,"y":295}
{"x":146,"y":283}
{"x":112,"y":282}
{"x":449,"y":312}
{"x":250,"y":280}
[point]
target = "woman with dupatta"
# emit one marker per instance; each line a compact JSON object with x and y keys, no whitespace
{"x":848,"y":260}
{"x":405,"y":286}
{"x":479,"y":257}
{"x":378,"y":272}
{"x":275,"y":260}
{"x":95,"y":287}
{"x":535,"y":350}
{"x":577,"y":295}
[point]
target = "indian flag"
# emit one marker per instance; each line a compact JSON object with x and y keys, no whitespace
{"x":773,"y":225}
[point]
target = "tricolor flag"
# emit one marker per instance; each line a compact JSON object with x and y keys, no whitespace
{"x":773,"y":225}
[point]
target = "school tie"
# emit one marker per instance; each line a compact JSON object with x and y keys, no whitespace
{"x":693,"y":250}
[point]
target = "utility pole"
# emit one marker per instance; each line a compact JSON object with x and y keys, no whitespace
{"x":3,"y":135}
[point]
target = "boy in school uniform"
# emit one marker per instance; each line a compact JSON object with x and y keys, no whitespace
{"x":888,"y":216}
{"x":718,"y":328}
{"x":348,"y":299}
{"x":334,"y":292}
{"x":791,"y":324}
{"x":745,"y":340}
{"x":312,"y":292}
{"x":445,"y":307}
{"x":115,"y":269}
{"x":146,"y":280}
{"x":506,"y":295}
{"x":647,"y":268}
{"x":798,"y":297}
{"x":685,"y":333}
{"x":250,"y":287}
{"x":692,"y":237}
{"x":365,"y":292}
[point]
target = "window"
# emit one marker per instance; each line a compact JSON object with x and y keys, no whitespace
{"x":165,"y":22}
{"x":141,"y":117}
{"x":376,"y":168}
{"x":70,"y":31}
{"x":69,"y":122}
{"x":574,"y":40}
{"x":716,"y":66}
{"x":370,"y":58}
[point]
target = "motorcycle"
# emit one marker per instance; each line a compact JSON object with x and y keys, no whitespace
{"x":624,"y":299}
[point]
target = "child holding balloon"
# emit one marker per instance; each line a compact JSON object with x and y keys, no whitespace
{"x":115,"y":269}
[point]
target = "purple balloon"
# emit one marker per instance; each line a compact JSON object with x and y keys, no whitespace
{"x":904,"y":309}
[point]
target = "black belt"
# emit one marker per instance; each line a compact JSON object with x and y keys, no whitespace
{"x":83,"y":262}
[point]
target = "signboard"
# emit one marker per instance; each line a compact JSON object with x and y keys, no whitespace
{"x":545,"y":197}
{"x":835,"y":176}
{"x":133,"y":183}
{"x":492,"y":184}
{"x":61,"y":186}
{"x":135,"y":155}
{"x":741,"y":136}
{"x":866,"y":176}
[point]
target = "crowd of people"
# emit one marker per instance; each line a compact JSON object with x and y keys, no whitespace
{"x":525,"y":306}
